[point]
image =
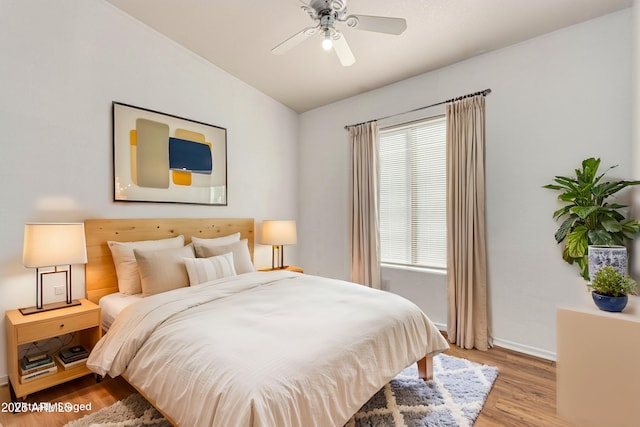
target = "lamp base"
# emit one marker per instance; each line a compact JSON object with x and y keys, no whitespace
{"x":48,"y":307}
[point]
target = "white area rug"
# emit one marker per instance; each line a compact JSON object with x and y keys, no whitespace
{"x":453,"y":398}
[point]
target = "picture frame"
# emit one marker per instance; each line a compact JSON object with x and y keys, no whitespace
{"x":159,"y":157}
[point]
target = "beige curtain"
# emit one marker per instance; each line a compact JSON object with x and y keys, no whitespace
{"x":365,"y":240}
{"x":466,"y":251}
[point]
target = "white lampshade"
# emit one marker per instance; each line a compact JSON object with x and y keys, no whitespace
{"x":279,"y":233}
{"x":53,"y":244}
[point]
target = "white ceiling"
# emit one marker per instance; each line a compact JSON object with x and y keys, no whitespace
{"x":238,"y":36}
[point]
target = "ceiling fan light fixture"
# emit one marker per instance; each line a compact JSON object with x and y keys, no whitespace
{"x":326,"y":14}
{"x":327,"y":43}
{"x":328,"y":35}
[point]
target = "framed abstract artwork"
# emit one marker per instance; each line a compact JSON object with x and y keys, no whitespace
{"x":159,"y":157}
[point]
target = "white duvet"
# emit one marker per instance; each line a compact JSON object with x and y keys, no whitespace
{"x":265,"y":349}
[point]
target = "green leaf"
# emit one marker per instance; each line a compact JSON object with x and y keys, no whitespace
{"x":570,"y":196}
{"x":553,"y":187}
{"x":617,"y":239}
{"x":561,"y":212}
{"x":600,"y":237}
{"x":589,"y":170}
{"x":605,"y":212}
{"x":583,"y":263}
{"x":611,"y":225}
{"x":566,"y":181}
{"x":577,"y":242}
{"x":584,"y":211}
{"x":607,"y":189}
{"x":566,"y":256}
{"x":565,"y":227}
{"x":615,"y":206}
{"x":631,"y":226}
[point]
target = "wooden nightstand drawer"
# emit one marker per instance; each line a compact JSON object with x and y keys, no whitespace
{"x":55,"y":327}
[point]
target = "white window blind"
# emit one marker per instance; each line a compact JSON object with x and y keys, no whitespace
{"x":413,"y":221}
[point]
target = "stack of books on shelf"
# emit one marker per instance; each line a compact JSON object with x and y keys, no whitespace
{"x":72,"y":356}
{"x":36,"y":366}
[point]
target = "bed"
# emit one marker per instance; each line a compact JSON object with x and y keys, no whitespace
{"x":255,"y":348}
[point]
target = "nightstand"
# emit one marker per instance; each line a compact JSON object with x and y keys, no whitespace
{"x":288,"y":267}
{"x":83,"y":319}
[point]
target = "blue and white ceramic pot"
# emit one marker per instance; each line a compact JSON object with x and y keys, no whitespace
{"x":602,"y":256}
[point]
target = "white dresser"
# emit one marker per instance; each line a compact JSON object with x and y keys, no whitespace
{"x":598,"y":366}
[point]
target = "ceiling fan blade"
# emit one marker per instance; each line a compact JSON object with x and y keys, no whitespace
{"x":342,"y":50}
{"x":294,"y":40}
{"x":379,"y":24}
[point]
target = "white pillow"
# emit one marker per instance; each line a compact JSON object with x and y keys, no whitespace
{"x":199,"y":243}
{"x":202,"y":270}
{"x":241,"y":256}
{"x":163,"y":270}
{"x":125,"y":261}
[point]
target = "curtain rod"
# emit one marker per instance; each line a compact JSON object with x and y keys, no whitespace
{"x":482,"y":92}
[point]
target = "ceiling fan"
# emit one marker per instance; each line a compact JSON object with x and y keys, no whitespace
{"x":326,"y":13}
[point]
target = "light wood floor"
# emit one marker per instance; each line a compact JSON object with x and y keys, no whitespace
{"x":523,"y":395}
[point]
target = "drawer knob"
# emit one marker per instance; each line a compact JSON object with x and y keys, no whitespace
{"x":61,"y":325}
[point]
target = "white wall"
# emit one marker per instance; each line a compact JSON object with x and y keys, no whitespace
{"x":556,"y":100}
{"x":63,"y":63}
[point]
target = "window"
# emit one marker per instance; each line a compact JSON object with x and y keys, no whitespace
{"x":413,"y":221}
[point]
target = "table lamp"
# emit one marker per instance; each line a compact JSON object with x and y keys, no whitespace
{"x":54,"y":247}
{"x":277,"y":234}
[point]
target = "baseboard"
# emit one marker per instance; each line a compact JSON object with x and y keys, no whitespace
{"x":510,"y":345}
{"x":4,"y":380}
{"x":521,"y":348}
{"x":441,"y":326}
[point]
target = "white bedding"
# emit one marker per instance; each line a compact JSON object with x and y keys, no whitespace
{"x":111,"y":305}
{"x":265,"y":349}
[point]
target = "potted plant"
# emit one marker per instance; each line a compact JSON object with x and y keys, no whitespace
{"x":610,"y":289}
{"x":588,"y":217}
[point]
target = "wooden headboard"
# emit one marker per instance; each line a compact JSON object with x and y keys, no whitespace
{"x":100,"y":274}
